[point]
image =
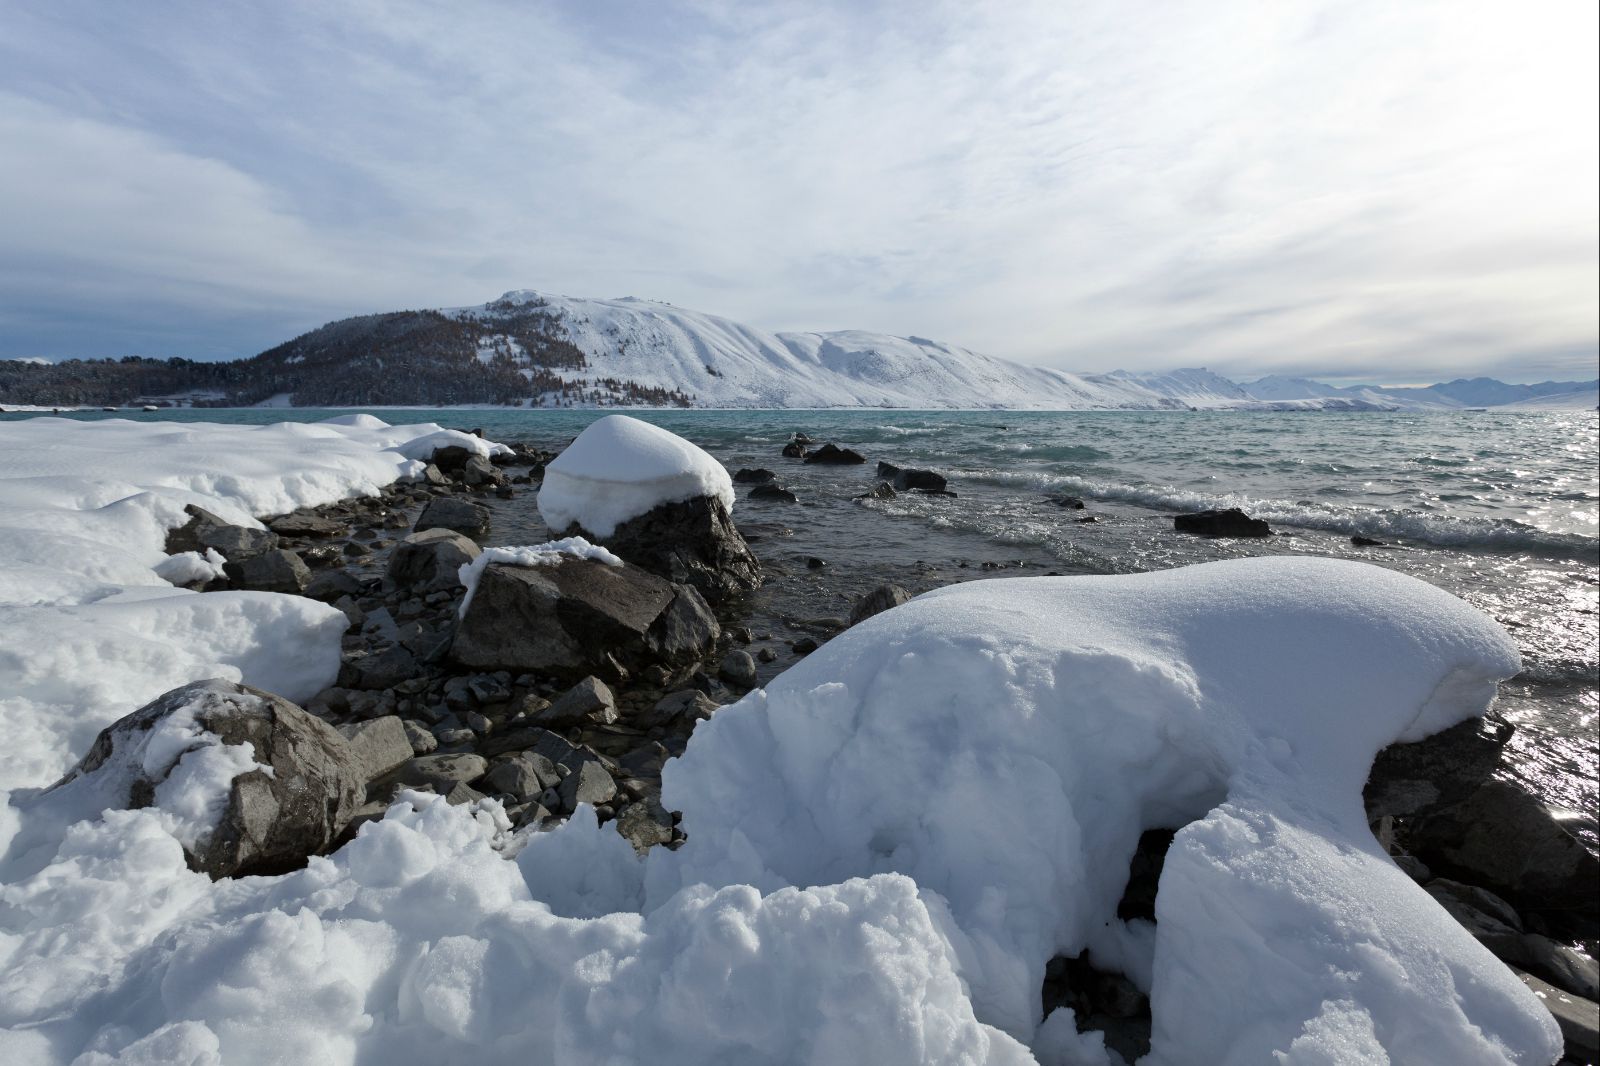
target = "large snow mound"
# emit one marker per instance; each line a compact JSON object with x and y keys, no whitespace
{"x":1004,"y":743}
{"x":619,"y":468}
{"x":90,"y":623}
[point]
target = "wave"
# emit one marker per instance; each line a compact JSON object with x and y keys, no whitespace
{"x":1444,"y":531}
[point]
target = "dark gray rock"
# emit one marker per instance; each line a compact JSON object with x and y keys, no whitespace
{"x":645,"y":824}
{"x":738,"y":668}
{"x":920,"y":480}
{"x":678,"y":707}
{"x":478,"y":471}
{"x":692,"y":542}
{"x":746,"y":476}
{"x":588,"y":783}
{"x":1480,"y":899}
{"x":205,"y":530}
{"x":833,"y":455}
{"x":887,"y":471}
{"x":794,"y":450}
{"x":378,"y":745}
{"x":431,"y":560}
{"x":881,"y":491}
{"x":452,"y":457}
{"x":776,"y":493}
{"x":579,"y":617}
{"x":1230,"y":522}
{"x":278,"y":570}
{"x":1438,"y":771}
{"x":449,"y":512}
{"x":590,"y":700}
{"x":272,"y":821}
{"x":307,"y":525}
{"x":522,"y":776}
{"x":331,"y":586}
{"x":378,"y":670}
{"x":877,"y":601}
{"x":1578,"y":1018}
{"x":1070,"y":503}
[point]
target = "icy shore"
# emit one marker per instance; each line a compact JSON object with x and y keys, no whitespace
{"x":885,"y":847}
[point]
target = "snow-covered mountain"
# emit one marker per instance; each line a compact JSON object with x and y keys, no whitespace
{"x":1445,"y":396}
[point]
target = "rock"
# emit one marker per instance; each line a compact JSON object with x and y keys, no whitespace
{"x":738,"y":668}
{"x":478,"y":471}
{"x":278,"y":570}
{"x":804,"y":646}
{"x":687,"y":705}
{"x":379,"y":745}
{"x":1567,"y":969}
{"x":919,"y":480}
{"x":1578,"y":1018}
{"x":331,"y":586}
{"x":794,"y":450}
{"x":590,"y":700}
{"x":1437,"y":771}
{"x":645,"y":824}
{"x":443,"y":772}
{"x":814,"y":563}
{"x":205,"y":530}
{"x":422,"y":741}
{"x":692,"y":542}
{"x":1231,"y":522}
{"x":448,"y":512}
{"x":1480,"y":899}
{"x":773,"y":492}
{"x":833,"y":455}
{"x":877,"y":601}
{"x":578,"y":617}
{"x":432,"y":475}
{"x":588,"y":783}
{"x":1070,"y":503}
{"x":767,"y":655}
{"x":1367,"y":542}
{"x":881,"y":491}
{"x":431,"y":560}
{"x":887,"y":471}
{"x":462,"y":793}
{"x":522,"y":776}
{"x":271,"y":821}
{"x":1504,"y":839}
{"x":746,"y":476}
{"x":378,"y":670}
{"x":452,"y":457}
{"x":307,"y":525}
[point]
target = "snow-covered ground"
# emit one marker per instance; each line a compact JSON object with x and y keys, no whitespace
{"x":884,"y":847}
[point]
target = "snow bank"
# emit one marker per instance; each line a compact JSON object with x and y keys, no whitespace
{"x":547,"y":554}
{"x":1004,"y":743}
{"x":618,"y":468}
{"x":90,"y":625}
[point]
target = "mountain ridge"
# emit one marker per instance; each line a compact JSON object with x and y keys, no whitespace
{"x":535,"y":349}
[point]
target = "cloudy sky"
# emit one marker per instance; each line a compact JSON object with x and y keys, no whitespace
{"x":1356,"y":190}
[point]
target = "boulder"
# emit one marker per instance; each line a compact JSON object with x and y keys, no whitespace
{"x":278,"y":570}
{"x":919,"y":480}
{"x":378,"y":670}
{"x":431,"y":560}
{"x":1578,"y":1019}
{"x":773,"y":492}
{"x":746,"y":476}
{"x":448,"y":512}
{"x":578,"y":617}
{"x":452,"y":457}
{"x":676,"y":707}
{"x":1231,"y":522}
{"x":378,"y":745}
{"x":305,"y":787}
{"x":794,"y":450}
{"x":522,"y":776}
{"x":881,"y":491}
{"x":307,"y":525}
{"x":205,"y":530}
{"x":692,"y":542}
{"x":738,"y":668}
{"x":442,"y":772}
{"x":877,"y":601}
{"x":645,"y":824}
{"x":478,"y":471}
{"x":833,"y":455}
{"x":331,"y":586}
{"x":588,"y":783}
{"x":887,"y":471}
{"x":1411,"y":779}
{"x":590,"y":700}
{"x":1070,"y":503}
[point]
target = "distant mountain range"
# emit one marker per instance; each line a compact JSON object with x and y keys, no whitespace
{"x":537,"y":350}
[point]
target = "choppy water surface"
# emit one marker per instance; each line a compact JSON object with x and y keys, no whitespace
{"x":1498,"y":508}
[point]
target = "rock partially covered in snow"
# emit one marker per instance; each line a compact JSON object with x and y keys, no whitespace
{"x":1006,"y":743}
{"x":205,"y":530}
{"x":653,"y":498}
{"x":254,"y":784}
{"x":578,"y":615}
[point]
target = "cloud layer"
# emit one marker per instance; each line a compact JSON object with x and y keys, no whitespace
{"x":1360,"y":190}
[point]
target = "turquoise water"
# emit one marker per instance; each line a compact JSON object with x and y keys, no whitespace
{"x":1502,"y":509}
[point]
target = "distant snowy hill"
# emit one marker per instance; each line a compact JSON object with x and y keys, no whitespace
{"x":1445,"y":396}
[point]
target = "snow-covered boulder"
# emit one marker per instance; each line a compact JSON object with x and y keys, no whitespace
{"x":253,"y":783}
{"x":571,"y":609}
{"x":1005,"y":743}
{"x":653,"y":498}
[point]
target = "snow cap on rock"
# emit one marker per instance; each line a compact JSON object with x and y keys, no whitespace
{"x":619,"y":468}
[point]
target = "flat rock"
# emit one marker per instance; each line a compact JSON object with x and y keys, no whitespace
{"x":1578,"y":1018}
{"x":278,"y":570}
{"x":378,"y":745}
{"x":588,"y":783}
{"x":307,"y":525}
{"x":448,"y":512}
{"x":443,"y":772}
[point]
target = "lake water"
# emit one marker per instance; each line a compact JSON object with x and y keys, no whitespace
{"x":1502,"y":509}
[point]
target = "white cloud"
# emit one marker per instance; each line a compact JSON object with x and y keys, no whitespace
{"x":1252,"y":186}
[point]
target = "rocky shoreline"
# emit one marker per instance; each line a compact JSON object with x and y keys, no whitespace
{"x":575,"y":682}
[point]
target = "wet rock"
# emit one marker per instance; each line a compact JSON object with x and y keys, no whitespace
{"x":273,"y":819}
{"x":692,"y":542}
{"x":205,"y":530}
{"x":278,"y":570}
{"x":804,"y":646}
{"x":1367,"y":542}
{"x":378,"y":746}
{"x":448,"y":512}
{"x":579,"y":617}
{"x":588,"y":783}
{"x":431,"y":560}
{"x":738,"y":668}
{"x":746,"y":476}
{"x":887,"y":471}
{"x":1230,"y":522}
{"x":794,"y":450}
{"x":877,"y":601}
{"x":590,"y":700}
{"x":776,"y":493}
{"x":307,"y":525}
{"x":1070,"y":503}
{"x":833,"y":455}
{"x":881,"y":491}
{"x":920,"y":481}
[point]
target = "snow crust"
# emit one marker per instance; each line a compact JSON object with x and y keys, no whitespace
{"x":547,"y":554}
{"x":619,"y":468}
{"x":884,"y":847}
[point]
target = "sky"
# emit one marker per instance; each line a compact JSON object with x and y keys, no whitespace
{"x":1356,"y":191}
